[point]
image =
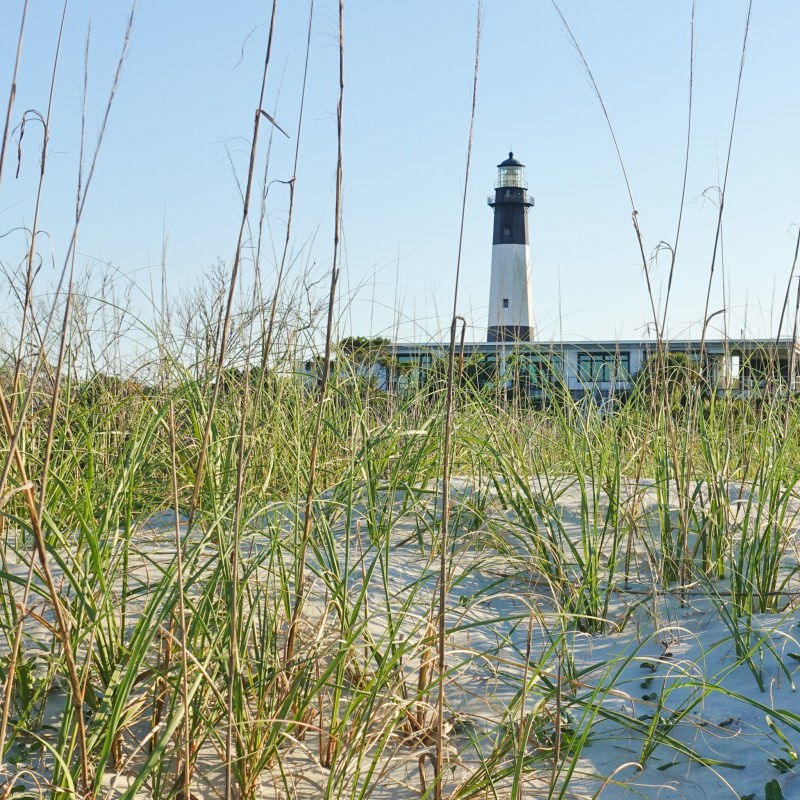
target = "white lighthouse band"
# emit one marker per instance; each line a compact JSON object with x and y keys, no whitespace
{"x":510,"y":292}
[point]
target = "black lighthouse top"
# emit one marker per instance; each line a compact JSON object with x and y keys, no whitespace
{"x":511,"y":162}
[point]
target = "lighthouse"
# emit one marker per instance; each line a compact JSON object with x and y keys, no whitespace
{"x":510,"y":297}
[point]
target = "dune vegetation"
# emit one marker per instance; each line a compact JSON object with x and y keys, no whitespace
{"x":240,"y":567}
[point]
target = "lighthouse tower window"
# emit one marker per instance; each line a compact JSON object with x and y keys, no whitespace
{"x":505,"y":302}
{"x":506,"y":231}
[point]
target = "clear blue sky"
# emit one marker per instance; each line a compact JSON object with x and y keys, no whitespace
{"x":180,"y":127}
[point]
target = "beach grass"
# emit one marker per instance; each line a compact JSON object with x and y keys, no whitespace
{"x":563,"y":579}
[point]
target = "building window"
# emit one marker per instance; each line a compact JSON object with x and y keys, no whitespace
{"x":506,"y":231}
{"x":505,"y":302}
{"x":539,"y":370}
{"x":603,"y":367}
{"x":481,"y":370}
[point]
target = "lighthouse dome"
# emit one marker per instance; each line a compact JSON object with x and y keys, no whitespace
{"x":511,"y":162}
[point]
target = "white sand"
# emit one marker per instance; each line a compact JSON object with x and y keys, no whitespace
{"x":669,"y":661}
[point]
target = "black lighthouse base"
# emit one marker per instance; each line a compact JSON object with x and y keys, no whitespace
{"x":509,"y":333}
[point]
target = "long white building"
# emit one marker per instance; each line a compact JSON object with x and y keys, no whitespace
{"x":602,"y":368}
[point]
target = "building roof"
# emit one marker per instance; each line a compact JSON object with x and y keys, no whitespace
{"x":710,"y":346}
